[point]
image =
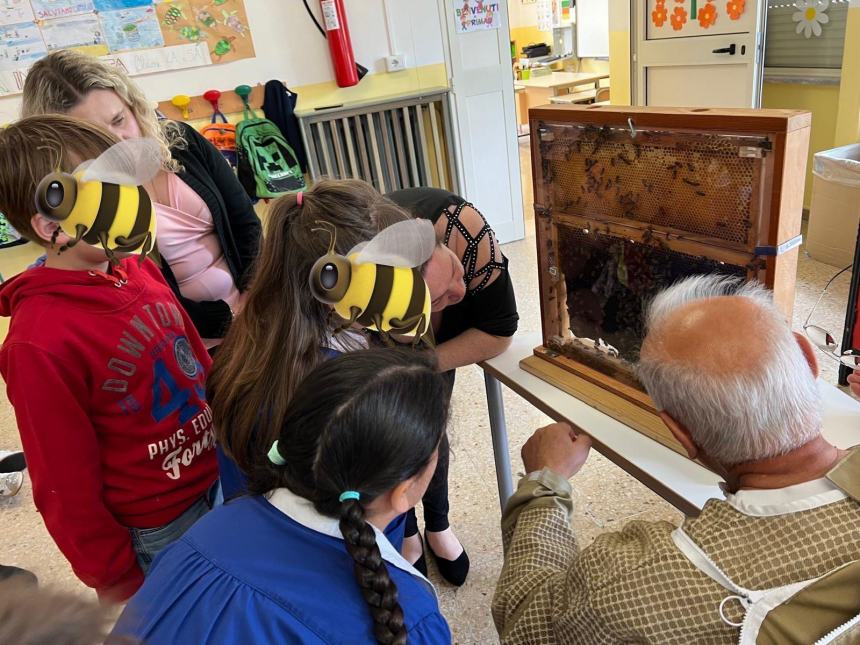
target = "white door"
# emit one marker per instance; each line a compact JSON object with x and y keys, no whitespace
{"x":478,"y":57}
{"x":698,"y":53}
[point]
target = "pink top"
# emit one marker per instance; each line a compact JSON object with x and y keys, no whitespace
{"x":187,"y":240}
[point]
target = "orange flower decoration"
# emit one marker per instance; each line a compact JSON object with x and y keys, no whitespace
{"x":678,"y":18}
{"x":659,"y":14}
{"x":735,"y":8}
{"x":707,"y":15}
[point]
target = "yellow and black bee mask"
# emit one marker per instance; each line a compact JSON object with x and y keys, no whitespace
{"x":103,"y":201}
{"x":378,"y":284}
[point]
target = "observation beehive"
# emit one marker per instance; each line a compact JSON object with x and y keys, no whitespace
{"x":628,"y":201}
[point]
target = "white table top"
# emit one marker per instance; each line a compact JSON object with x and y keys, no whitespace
{"x":560,"y":80}
{"x":680,"y":481}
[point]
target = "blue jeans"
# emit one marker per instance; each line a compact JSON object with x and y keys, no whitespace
{"x":148,"y":543}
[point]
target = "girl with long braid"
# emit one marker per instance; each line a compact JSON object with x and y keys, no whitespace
{"x":303,"y":558}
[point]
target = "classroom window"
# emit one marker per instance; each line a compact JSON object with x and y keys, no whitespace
{"x":786,"y":48}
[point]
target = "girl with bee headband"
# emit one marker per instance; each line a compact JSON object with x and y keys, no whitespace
{"x":284,"y":331}
{"x":208,"y":232}
{"x":288,"y":328}
{"x":304,"y":558}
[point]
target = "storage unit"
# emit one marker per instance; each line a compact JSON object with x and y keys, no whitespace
{"x":834,"y":213}
{"x":627,"y":201}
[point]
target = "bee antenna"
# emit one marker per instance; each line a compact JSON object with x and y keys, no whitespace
{"x":327,"y":227}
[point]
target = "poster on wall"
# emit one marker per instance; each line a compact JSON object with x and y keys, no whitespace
{"x":135,"y":28}
{"x":139,"y":36}
{"x":544,"y":15}
{"x":222,"y":25}
{"x":21,"y":45}
{"x":60,"y":8}
{"x":682,"y":18}
{"x":15,"y":11}
{"x":476,"y":15}
{"x":83,"y":32}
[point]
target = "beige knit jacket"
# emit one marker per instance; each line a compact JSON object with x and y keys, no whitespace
{"x":635,"y":586}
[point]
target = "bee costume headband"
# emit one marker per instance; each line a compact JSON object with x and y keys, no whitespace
{"x":378,"y":284}
{"x":103,"y":201}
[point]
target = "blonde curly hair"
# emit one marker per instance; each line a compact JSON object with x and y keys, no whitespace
{"x":59,"y":81}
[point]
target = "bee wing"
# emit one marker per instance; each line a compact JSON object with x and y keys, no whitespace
{"x":405,"y":244}
{"x":131,"y":162}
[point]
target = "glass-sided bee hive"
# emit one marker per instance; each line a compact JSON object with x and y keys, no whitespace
{"x":628,"y":201}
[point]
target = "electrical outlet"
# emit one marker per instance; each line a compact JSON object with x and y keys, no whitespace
{"x":395,"y":62}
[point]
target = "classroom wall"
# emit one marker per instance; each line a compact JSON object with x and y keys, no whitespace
{"x":822,"y":101}
{"x":524,"y":31}
{"x":848,"y":114}
{"x":619,"y":52}
{"x":835,"y":108}
{"x":523,"y":22}
{"x":289,"y":48}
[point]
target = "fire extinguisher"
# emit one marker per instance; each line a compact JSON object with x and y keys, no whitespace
{"x":347,"y":71}
{"x":337,"y":34}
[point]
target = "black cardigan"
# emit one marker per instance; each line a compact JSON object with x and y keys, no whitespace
{"x":236,"y":224}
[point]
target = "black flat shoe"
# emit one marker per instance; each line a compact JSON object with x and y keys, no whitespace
{"x":12,"y":462}
{"x":454,"y":571}
{"x":421,"y":563}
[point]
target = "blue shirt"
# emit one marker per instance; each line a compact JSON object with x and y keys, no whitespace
{"x":234,"y":482}
{"x":269,"y":571}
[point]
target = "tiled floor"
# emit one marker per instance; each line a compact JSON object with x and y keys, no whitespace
{"x":606,"y":497}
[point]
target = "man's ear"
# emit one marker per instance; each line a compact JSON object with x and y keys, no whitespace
{"x":808,"y":353}
{"x":46,"y":228}
{"x":681,"y":434}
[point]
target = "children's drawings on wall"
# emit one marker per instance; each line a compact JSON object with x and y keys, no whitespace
{"x":135,"y":28}
{"x":112,"y":5}
{"x":13,"y":12}
{"x":82,"y":32}
{"x":60,"y":8}
{"x":149,"y":61}
{"x":21,"y":45}
{"x":544,"y":15}
{"x":477,"y":15}
{"x":222,"y":24}
{"x":141,"y":36}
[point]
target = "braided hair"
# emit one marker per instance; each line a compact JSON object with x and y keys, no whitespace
{"x":364,"y":422}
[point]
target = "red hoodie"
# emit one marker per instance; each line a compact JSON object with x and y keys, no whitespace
{"x":107,"y":383}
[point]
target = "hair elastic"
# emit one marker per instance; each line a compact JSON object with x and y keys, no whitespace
{"x":275,"y":455}
{"x":299,"y":198}
{"x":349,"y":494}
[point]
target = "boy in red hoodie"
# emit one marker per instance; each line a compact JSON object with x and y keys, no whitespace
{"x":106,"y":374}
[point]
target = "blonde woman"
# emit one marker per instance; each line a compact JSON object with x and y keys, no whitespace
{"x":208,"y":232}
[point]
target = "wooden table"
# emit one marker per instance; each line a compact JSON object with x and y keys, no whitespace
{"x":561,"y":82}
{"x":681,"y":482}
{"x":539,"y":90}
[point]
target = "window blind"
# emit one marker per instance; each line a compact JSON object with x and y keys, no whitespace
{"x":784,"y":47}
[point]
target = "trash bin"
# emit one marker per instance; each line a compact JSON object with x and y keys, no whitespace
{"x":834,"y":214}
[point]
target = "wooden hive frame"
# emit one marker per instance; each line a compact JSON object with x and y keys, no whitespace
{"x":776,"y":205}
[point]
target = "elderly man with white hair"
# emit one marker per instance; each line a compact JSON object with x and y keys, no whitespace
{"x":737,"y":389}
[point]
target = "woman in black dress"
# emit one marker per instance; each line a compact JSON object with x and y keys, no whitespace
{"x":474,"y":318}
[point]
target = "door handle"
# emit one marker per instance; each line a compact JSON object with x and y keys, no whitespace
{"x":730,"y":50}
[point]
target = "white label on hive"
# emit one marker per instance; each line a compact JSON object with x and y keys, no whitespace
{"x":330,"y":15}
